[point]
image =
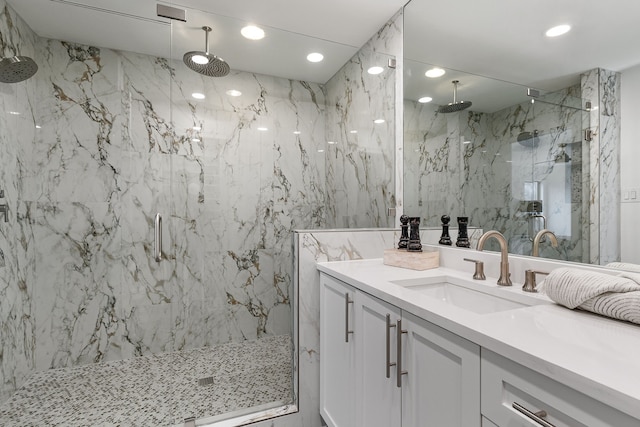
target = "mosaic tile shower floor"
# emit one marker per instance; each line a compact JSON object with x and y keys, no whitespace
{"x":158,"y":390}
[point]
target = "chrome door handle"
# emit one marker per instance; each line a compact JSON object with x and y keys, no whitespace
{"x":389,"y":364}
{"x":157,"y":249}
{"x":347,"y":301}
{"x":535,"y":416}
{"x":399,"y":370}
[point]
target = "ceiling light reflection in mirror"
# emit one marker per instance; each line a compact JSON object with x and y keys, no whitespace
{"x":558,"y":30}
{"x":252,"y":32}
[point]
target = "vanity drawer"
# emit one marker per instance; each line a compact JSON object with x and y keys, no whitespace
{"x":505,"y":382}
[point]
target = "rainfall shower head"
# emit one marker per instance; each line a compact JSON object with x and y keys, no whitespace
{"x":204,"y":62}
{"x":454,"y":106}
{"x":17,"y":69}
{"x":528,"y":139}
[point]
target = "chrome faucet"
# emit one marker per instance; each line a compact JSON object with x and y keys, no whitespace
{"x":505,"y":276}
{"x":538,"y":238}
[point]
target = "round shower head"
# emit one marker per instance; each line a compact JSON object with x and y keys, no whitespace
{"x":204,"y":62}
{"x":528,"y":139}
{"x":17,"y":69}
{"x":454,"y":106}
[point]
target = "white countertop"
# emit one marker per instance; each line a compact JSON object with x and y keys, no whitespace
{"x":597,"y":356}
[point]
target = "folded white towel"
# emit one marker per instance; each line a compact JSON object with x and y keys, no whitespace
{"x":612,"y":296}
{"x":624,"y":266}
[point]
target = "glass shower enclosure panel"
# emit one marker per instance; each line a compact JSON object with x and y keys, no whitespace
{"x":550,"y":176}
{"x":228,"y":241}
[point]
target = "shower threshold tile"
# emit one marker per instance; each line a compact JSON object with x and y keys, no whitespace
{"x":158,"y":390}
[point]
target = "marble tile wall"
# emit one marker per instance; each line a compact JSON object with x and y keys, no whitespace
{"x":360,"y":164}
{"x":117,"y":143}
{"x":314,"y":246}
{"x":122,"y":124}
{"x":486,"y":177}
{"x":17,"y":125}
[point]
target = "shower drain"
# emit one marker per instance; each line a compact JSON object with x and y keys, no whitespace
{"x":205,"y":381}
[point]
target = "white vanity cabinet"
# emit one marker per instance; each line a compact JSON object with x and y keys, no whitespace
{"x":539,"y":400}
{"x":338,"y":355}
{"x":442,"y":384}
{"x":439,"y":371}
{"x":378,"y":396}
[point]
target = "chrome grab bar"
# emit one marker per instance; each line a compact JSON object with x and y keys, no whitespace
{"x":535,"y":416}
{"x":157,"y":249}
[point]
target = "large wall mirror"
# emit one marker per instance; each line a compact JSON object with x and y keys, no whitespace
{"x":523,"y":132}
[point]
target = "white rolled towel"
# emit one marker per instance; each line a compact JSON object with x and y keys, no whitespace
{"x":612,"y":296}
{"x":624,"y":266}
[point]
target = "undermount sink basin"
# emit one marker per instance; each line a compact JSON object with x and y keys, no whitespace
{"x":454,"y":292}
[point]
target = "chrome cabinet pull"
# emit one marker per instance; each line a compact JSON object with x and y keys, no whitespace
{"x":157,"y":250}
{"x":389,"y":364}
{"x":347,"y":301}
{"x":399,"y":370}
{"x":535,"y":416}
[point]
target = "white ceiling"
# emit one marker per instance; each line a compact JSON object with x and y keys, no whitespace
{"x":504,"y":39}
{"x":294,"y":28}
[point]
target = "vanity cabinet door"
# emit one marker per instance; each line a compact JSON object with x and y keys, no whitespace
{"x":442,"y":384}
{"x":378,"y":396}
{"x":337,"y":347}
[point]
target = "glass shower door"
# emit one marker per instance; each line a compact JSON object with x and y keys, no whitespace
{"x":229,"y":231}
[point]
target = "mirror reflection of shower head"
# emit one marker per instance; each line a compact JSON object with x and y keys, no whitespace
{"x":528,"y":139}
{"x":454,"y":106}
{"x":204,"y":62}
{"x":16,"y":69}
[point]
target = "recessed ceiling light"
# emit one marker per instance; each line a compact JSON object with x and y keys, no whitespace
{"x":196,"y":128}
{"x":558,"y":30}
{"x":296,"y":132}
{"x":38,"y":127}
{"x":353,"y":131}
{"x":263,"y":129}
{"x":425,"y":99}
{"x":378,"y":121}
{"x":466,"y":142}
{"x":315,"y":57}
{"x":200,"y":59}
{"x":198,"y":95}
{"x":320,"y":150}
{"x":252,"y":32}
{"x":195,"y":139}
{"x":233,"y":92}
{"x":375,"y":70}
{"x":15,"y":113}
{"x":331,"y":142}
{"x":435,"y":72}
